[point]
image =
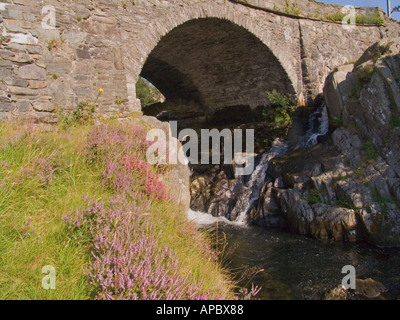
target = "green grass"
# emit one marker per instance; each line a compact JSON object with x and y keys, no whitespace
{"x":370,"y":18}
{"x":364,"y":76}
{"x":22,"y":258}
{"x":395,"y":121}
{"x":146,"y":93}
{"x":338,"y":16}
{"x":45,"y":242}
{"x":371,"y":153}
{"x":314,"y":196}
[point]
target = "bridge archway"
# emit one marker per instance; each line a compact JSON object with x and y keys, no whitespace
{"x":215,"y":63}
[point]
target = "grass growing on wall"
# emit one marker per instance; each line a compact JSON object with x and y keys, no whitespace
{"x":370,"y":18}
{"x":49,"y":181}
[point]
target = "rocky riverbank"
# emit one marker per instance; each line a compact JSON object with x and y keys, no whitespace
{"x":348,"y":186}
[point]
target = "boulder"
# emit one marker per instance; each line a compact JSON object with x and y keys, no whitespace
{"x":177,"y":177}
{"x":365,"y":289}
{"x":339,"y":88}
{"x":267,"y":213}
{"x":369,"y":288}
{"x":381,"y":223}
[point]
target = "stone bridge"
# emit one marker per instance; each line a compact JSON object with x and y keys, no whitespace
{"x":218,"y":53}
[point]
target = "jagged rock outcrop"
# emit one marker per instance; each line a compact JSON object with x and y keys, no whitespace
{"x":213,"y":191}
{"x":371,"y":112}
{"x":348,"y":188}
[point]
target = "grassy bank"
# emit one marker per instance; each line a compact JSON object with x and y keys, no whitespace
{"x":83,"y":200}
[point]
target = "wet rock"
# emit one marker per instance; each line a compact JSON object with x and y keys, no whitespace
{"x":220,"y":194}
{"x":333,"y":223}
{"x":267,"y":213}
{"x":381,"y":222}
{"x":319,"y":220}
{"x":200,"y":194}
{"x":241,"y":203}
{"x":366,"y":289}
{"x":296,"y":211}
{"x":369,"y":288}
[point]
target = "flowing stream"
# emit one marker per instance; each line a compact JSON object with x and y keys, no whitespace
{"x":289,"y":266}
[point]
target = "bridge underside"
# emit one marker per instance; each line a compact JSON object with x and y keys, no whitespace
{"x":216,"y":64}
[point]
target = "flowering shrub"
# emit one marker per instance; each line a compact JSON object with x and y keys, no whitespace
{"x":142,"y":172}
{"x":124,"y":235}
{"x":135,"y":245}
{"x":112,"y":142}
{"x":127,"y":260}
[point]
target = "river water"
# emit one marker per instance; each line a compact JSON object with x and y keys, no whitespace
{"x":289,"y":266}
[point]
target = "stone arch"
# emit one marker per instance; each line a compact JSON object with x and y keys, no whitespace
{"x":156,"y":34}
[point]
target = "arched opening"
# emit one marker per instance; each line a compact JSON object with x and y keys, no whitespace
{"x":212,"y":67}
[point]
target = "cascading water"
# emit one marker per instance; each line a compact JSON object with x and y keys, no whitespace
{"x":257,"y":179}
{"x":318,"y":125}
{"x":290,"y":266}
{"x":247,"y":194}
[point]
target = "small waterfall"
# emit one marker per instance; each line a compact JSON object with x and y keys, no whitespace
{"x":318,"y":125}
{"x":247,"y":194}
{"x":203,"y":219}
{"x":257,"y":179}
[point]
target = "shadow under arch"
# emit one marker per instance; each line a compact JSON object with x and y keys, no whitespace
{"x":216,"y":64}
